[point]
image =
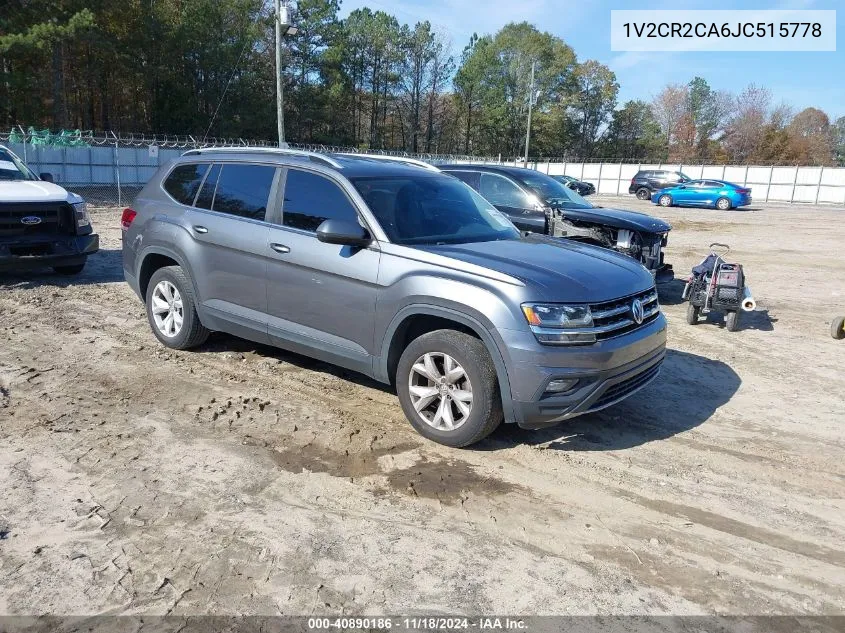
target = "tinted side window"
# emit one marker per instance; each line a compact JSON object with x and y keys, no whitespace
{"x":206,"y":195}
{"x":243,"y":190}
{"x":184,"y":181}
{"x":469,"y":177}
{"x":500,"y":191}
{"x":310,"y":199}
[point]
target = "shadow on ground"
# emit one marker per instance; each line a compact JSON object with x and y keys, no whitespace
{"x":688,"y":391}
{"x":103,"y":267}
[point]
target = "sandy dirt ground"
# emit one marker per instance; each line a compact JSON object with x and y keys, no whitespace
{"x":239,"y":479}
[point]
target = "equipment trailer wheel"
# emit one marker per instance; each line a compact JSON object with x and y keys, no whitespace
{"x":837,"y":328}
{"x":692,"y":313}
{"x":732,"y":321}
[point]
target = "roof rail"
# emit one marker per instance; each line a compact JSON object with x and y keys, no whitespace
{"x":395,"y":159}
{"x":267,"y":150}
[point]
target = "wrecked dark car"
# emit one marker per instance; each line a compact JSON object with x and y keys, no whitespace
{"x":536,"y":202}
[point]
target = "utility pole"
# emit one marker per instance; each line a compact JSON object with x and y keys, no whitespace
{"x":530,"y":105}
{"x":280,"y":114}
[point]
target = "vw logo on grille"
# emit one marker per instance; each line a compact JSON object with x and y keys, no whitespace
{"x":31,"y":220}
{"x":637,"y":311}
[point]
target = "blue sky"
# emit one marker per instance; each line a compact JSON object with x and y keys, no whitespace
{"x":800,"y":79}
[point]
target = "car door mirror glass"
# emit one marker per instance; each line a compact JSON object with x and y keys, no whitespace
{"x":343,"y":232}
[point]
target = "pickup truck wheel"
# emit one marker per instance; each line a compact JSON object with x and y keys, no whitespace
{"x":171,"y":309}
{"x":448,"y":389}
{"x":692,"y":313}
{"x":643,"y":193}
{"x":69,"y":270}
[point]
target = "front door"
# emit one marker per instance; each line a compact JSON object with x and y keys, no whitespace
{"x":511,"y":200}
{"x":321,"y":298}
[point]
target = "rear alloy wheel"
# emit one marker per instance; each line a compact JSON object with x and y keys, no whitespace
{"x":171,"y":309}
{"x":723,"y":204}
{"x":665,"y":200}
{"x":643,"y":193}
{"x":448,"y":389}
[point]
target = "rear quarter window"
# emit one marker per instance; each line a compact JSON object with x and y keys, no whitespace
{"x":184,"y":181}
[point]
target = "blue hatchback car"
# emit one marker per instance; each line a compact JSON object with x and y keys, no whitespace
{"x":703,"y":193}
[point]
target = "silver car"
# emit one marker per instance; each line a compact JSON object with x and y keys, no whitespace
{"x":400,"y":272}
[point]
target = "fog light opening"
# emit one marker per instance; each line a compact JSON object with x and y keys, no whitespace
{"x":561,"y":385}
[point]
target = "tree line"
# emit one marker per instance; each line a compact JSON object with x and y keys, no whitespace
{"x":206,"y":67}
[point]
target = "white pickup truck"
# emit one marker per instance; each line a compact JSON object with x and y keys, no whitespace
{"x":41,"y":224}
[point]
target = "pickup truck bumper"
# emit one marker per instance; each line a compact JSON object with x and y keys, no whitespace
{"x":45,"y":251}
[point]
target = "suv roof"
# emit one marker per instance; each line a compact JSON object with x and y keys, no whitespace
{"x":350,"y":165}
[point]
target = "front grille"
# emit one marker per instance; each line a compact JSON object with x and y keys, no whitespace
{"x":613,"y":318}
{"x":625,"y":388}
{"x":56,"y":218}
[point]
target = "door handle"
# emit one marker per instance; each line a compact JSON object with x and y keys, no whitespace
{"x":280,"y":248}
{"x":200,"y":229}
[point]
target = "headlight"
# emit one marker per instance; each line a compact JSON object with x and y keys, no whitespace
{"x":81,"y":212}
{"x":558,"y":324}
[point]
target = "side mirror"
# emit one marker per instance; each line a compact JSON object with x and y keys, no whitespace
{"x":682,"y":186}
{"x":343,"y":232}
{"x":46,"y":176}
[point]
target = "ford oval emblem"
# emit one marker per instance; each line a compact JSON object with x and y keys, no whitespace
{"x":31,"y":220}
{"x":637,"y":311}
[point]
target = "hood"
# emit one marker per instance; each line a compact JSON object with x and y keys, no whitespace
{"x":32,"y":191}
{"x":556,"y":269}
{"x":620,"y":219}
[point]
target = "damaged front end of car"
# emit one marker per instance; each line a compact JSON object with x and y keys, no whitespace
{"x":646,"y":246}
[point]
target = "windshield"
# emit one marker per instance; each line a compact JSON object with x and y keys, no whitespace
{"x":12,"y":168}
{"x":432,"y":210}
{"x":553,"y":192}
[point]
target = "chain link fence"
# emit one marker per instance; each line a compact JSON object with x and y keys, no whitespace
{"x":110,"y":169}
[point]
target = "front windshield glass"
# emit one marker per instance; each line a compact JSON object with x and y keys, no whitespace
{"x":432,"y":210}
{"x":11,"y":167}
{"x":553,"y":192}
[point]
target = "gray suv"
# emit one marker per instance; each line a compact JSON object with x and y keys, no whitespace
{"x":400,"y":272}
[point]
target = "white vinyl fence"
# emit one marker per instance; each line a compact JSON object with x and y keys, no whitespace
{"x":111,"y":174}
{"x":814,"y":185}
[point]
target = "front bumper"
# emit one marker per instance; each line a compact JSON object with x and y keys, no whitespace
{"x":607,"y":372}
{"x":44,"y":251}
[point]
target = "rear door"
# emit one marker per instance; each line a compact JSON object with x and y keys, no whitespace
{"x":229,"y":229}
{"x":513,"y":201}
{"x":321,"y":297}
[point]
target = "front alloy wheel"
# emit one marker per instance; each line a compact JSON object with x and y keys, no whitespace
{"x":440,"y":391}
{"x":665,"y":200}
{"x":168,"y":311}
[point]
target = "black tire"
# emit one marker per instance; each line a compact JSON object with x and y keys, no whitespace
{"x":692,"y":313}
{"x":193,"y":333}
{"x":643,"y":193}
{"x":665,"y":200}
{"x":723,"y":204}
{"x":732,"y":321}
{"x":74,"y":269}
{"x":486,"y":411}
{"x":837,"y":328}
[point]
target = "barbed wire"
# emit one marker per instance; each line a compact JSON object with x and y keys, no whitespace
{"x":90,"y":138}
